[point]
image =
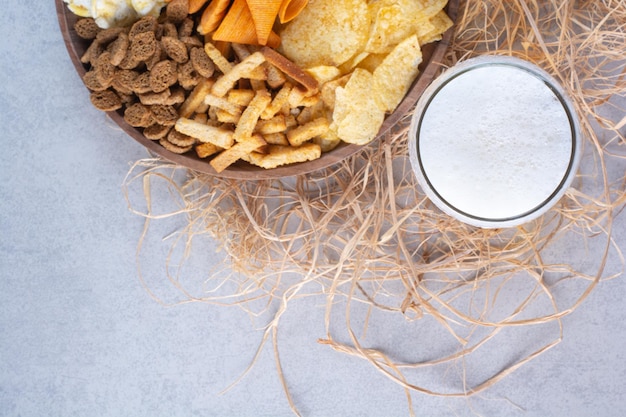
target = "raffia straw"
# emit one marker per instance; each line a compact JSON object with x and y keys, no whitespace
{"x":363,"y":235}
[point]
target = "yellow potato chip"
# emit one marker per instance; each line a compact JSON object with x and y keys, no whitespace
{"x":327,"y":141}
{"x":389,"y":26}
{"x":416,"y":9}
{"x":395,"y":20}
{"x":372,"y":61}
{"x":353,"y":62}
{"x":324,"y":73}
{"x":439,"y":23}
{"x":393,"y":77}
{"x":357,"y":116}
{"x":326,"y":32}
{"x":327,"y":94}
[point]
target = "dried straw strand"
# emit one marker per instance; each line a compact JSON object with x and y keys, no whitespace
{"x":362,"y":234}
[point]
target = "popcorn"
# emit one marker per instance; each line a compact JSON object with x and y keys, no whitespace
{"x":112,"y":13}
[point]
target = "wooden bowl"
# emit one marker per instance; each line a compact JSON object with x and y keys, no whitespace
{"x":432,"y":56}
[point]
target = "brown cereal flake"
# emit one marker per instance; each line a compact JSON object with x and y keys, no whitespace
{"x":138,"y":115}
{"x":175,"y":49}
{"x":92,"y":82}
{"x":126,"y":78}
{"x":174,"y":148}
{"x":169,"y":29}
{"x":108,"y":35}
{"x":143,"y":46}
{"x":141,"y":84}
{"x":106,"y":100}
{"x":180,"y":139}
{"x":163,"y":75}
{"x":177,"y":11}
{"x":120,"y":88}
{"x":177,"y":96}
{"x":151,"y":98}
{"x":104,"y":69}
{"x":164,"y":114}
{"x":159,"y":55}
{"x":156,"y":131}
{"x":145,"y":24}
{"x":201,"y":62}
{"x":87,"y":28}
{"x":188,"y":77}
{"x":118,"y":48}
{"x":192,"y":41}
{"x":91,"y":54}
{"x":185,"y":29}
{"x":129,"y":62}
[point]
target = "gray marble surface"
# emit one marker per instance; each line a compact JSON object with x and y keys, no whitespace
{"x":80,"y":336}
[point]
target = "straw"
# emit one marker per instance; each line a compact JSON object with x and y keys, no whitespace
{"x":362,"y":236}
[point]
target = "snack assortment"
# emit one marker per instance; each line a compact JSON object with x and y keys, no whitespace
{"x":267,"y":82}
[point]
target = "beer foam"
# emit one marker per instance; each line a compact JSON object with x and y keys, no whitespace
{"x":495,"y":142}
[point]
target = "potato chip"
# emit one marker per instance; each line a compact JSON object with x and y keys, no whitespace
{"x":415,"y":9}
{"x":327,"y":93}
{"x":393,"y":77}
{"x":327,"y":141}
{"x":440,"y":23}
{"x":324,"y":73}
{"x":326,"y":32}
{"x":389,"y":26}
{"x":395,"y":20}
{"x":357,"y":116}
{"x":372,"y":61}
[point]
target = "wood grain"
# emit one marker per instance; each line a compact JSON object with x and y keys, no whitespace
{"x":430,"y":67}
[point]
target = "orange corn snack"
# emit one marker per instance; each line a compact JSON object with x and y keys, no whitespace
{"x":196,"y":5}
{"x":264,"y":14}
{"x":238,"y":27}
{"x":213,"y":16}
{"x":289,"y":9}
